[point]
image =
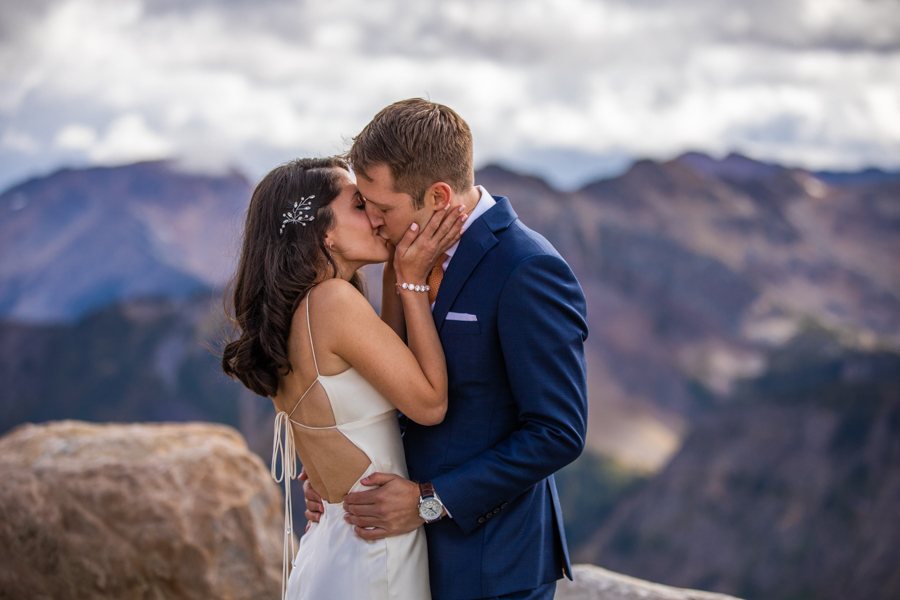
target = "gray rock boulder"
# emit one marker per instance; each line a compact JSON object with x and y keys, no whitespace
{"x":136,"y":511}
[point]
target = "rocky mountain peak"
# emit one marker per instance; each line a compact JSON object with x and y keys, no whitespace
{"x":80,"y":239}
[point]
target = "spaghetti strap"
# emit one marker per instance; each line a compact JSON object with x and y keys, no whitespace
{"x":312,"y":348}
{"x":313,"y":428}
{"x":291,"y":414}
{"x":288,"y":453}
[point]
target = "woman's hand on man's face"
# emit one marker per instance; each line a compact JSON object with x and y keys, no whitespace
{"x":418,"y":250}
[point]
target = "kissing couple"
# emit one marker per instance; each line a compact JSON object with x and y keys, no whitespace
{"x":428,"y":435}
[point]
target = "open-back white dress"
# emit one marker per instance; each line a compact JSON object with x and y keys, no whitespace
{"x":332,"y":561}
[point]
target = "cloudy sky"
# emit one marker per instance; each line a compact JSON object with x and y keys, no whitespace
{"x":570,"y":89}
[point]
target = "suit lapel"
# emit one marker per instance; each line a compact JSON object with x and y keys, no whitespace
{"x":473,"y":245}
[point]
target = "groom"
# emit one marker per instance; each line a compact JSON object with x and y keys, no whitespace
{"x":511,"y":318}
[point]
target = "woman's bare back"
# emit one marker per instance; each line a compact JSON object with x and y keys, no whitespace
{"x":332,"y":462}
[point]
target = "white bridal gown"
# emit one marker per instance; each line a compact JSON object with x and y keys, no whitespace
{"x":332,"y":561}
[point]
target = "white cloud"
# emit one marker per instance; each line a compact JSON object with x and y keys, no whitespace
{"x":20,"y":142}
{"x":75,"y":136}
{"x":129,"y":139}
{"x":808,"y":82}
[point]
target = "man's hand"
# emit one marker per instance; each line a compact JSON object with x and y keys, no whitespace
{"x":390,"y":510}
{"x":314,"y":507}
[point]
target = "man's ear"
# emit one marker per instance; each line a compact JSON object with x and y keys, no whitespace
{"x":438,"y":195}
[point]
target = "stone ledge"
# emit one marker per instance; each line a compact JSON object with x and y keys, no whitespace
{"x":596,"y":583}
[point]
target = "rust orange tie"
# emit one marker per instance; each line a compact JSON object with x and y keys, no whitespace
{"x":435,"y":277}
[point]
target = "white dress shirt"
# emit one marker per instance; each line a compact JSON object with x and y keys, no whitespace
{"x":485,"y":202}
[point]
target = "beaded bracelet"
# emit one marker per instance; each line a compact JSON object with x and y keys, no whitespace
{"x":411,"y":287}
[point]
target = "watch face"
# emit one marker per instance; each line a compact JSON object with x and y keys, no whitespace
{"x":430,"y":509}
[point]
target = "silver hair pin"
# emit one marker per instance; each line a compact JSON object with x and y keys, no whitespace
{"x":298,"y":214}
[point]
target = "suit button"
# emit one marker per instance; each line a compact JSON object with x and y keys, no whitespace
{"x":504,"y":505}
{"x":496,"y":510}
{"x":489,"y":515}
{"x":481,"y":519}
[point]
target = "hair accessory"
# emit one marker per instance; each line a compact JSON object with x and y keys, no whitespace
{"x":411,"y":287}
{"x":297,"y":214}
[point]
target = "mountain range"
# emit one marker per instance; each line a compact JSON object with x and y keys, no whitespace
{"x":79,"y":240}
{"x":693,"y":268}
{"x":744,"y":380}
{"x":789,"y":492}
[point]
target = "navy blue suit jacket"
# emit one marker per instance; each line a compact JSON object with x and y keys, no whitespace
{"x":517,"y":411}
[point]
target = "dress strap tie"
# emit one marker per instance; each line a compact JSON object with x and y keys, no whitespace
{"x":288,"y":472}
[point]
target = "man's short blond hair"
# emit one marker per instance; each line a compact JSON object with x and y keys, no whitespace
{"x":421,"y":142}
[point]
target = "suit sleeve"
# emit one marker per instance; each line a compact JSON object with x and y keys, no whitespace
{"x":542,"y":328}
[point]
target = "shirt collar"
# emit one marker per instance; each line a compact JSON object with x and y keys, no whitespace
{"x":485,"y":202}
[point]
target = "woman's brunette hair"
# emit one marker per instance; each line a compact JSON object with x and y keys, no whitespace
{"x":280,"y":261}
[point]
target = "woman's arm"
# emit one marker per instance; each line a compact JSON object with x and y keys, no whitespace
{"x":413,"y":378}
{"x":391,"y":305}
{"x":414,"y":259}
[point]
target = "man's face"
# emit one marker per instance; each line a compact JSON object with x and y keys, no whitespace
{"x":390,"y":212}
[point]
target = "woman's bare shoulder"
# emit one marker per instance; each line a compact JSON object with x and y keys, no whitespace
{"x":338,"y":291}
{"x":338,"y":301}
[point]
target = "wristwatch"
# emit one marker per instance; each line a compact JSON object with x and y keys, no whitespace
{"x":430,"y":506}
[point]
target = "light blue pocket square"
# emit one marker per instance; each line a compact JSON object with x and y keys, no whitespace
{"x":452,"y":316}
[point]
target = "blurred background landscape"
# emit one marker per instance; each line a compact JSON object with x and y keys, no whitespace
{"x":724,"y":181}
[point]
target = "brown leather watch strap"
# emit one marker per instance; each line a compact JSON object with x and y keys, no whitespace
{"x":426,"y":490}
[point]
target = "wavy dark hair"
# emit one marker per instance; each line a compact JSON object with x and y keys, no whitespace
{"x":277,"y":269}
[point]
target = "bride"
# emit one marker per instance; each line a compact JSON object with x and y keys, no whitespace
{"x":335,"y":371}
